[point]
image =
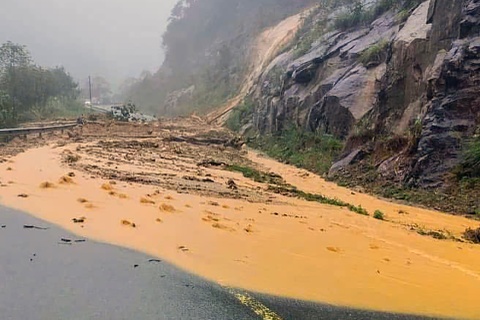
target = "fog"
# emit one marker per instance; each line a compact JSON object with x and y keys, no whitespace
{"x":110,"y":38}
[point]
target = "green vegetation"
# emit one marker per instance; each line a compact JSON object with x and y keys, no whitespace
{"x":59,"y":107}
{"x":275,"y":79}
{"x":466,"y":185}
{"x":434,"y":234}
{"x":312,"y":151}
{"x":357,"y":14}
{"x":30,"y":92}
{"x":374,"y":53}
{"x":279,"y":186}
{"x":403,"y":15}
{"x":444,"y":234}
{"x":472,"y":235}
{"x":289,"y":190}
{"x":470,"y":166}
{"x":313,"y":27}
{"x":379,"y":215}
{"x":240,"y":115}
{"x":305,"y":42}
{"x":256,"y":175}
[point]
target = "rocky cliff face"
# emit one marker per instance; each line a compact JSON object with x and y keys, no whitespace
{"x":403,"y":92}
{"x":451,"y":101}
{"x":327,"y":89}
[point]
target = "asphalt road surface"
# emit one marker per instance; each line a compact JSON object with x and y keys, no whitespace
{"x":45,"y":277}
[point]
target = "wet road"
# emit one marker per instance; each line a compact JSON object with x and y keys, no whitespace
{"x":45,"y":277}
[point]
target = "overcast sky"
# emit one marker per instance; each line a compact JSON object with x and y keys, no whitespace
{"x":112,"y":38}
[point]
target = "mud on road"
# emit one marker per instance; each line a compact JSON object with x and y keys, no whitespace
{"x":172,"y":154}
{"x":194,"y":195}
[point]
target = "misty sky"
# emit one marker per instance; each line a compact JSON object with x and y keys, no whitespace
{"x":112,"y":38}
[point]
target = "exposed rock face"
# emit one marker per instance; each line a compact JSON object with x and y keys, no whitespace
{"x":424,"y":87}
{"x":432,"y":84}
{"x":327,"y":89}
{"x":453,"y":109}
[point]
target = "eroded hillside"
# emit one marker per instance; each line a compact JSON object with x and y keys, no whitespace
{"x":395,"y":83}
{"x":379,"y":93}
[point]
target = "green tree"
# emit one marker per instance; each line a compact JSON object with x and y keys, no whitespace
{"x":26,"y":89}
{"x":7,"y":112}
{"x":13,"y":59}
{"x":13,"y":55}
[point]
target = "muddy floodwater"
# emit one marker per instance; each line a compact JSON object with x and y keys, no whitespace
{"x":177,"y":191}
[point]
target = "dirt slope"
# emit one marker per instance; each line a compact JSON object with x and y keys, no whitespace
{"x":265,"y":48}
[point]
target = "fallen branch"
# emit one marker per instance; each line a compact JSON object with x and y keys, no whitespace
{"x":27,"y":226}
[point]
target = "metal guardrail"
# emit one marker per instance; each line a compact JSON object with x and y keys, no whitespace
{"x":25,"y":131}
{"x":97,"y":109}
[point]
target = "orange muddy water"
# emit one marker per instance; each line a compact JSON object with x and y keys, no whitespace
{"x":284,"y":246}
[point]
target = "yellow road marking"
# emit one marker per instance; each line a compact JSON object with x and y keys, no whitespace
{"x":256,"y":306}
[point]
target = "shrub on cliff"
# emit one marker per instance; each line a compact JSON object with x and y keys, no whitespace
{"x":239,"y":115}
{"x":358,"y":14}
{"x":373,"y":55}
{"x":470,"y":166}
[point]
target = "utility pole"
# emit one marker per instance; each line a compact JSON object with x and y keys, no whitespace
{"x":90,"y":90}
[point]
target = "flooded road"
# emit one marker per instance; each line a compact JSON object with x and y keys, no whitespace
{"x":45,"y":277}
{"x":170,"y":195}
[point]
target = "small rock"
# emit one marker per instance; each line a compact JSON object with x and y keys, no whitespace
{"x":248,"y":229}
{"x":232,"y":185}
{"x":79,"y":220}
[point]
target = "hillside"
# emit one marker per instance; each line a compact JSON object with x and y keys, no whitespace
{"x":378,"y":94}
{"x":208,"y":47}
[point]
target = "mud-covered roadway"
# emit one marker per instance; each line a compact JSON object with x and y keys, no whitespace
{"x":195,"y":195}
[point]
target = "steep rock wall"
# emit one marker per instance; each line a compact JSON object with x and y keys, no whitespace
{"x":421,"y":88}
{"x":327,"y":89}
